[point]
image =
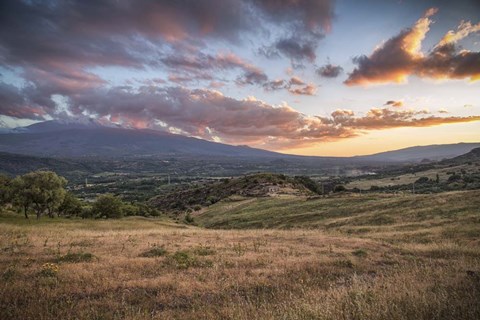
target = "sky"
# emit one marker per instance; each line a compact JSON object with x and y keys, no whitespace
{"x":311,"y":77}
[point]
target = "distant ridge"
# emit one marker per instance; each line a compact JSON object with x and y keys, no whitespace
{"x":69,"y":139}
{"x":418,"y":153}
{"x":88,"y":138}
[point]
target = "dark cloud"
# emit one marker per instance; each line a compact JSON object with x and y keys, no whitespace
{"x":311,"y":15}
{"x":401,"y":56}
{"x":394,"y":103}
{"x":329,"y":71}
{"x":211,"y":115}
{"x":307,"y":22}
{"x":295,"y":86}
{"x":296,"y":50}
{"x":121,"y":32}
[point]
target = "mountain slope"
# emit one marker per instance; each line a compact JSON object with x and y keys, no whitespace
{"x":55,"y":139}
{"x":70,"y":139}
{"x":419,"y":153}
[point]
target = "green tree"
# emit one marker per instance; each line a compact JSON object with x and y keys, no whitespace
{"x":108,"y":206}
{"x":20,"y":194}
{"x":42,"y":190}
{"x":4,"y":189}
{"x":70,"y":206}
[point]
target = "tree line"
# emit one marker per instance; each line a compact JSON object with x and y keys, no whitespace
{"x":43,"y":193}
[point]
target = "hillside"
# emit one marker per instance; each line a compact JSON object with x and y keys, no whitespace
{"x":376,"y":214}
{"x":462,"y":172}
{"x":192,"y":197}
{"x":421,"y":153}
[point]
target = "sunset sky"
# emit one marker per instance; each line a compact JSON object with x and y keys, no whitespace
{"x":316,"y":77}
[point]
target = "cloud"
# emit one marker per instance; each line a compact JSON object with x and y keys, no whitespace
{"x":295,"y":86}
{"x":200,"y":66}
{"x":208,"y":113}
{"x":401,"y":56}
{"x":296,"y":50}
{"x":74,"y":37}
{"x":310,"y":15}
{"x":329,"y":71}
{"x":443,"y":110}
{"x":307,"y":90}
{"x":394,"y":103}
{"x":307,"y":21}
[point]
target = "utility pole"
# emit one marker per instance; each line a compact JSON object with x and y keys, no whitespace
{"x":413,"y":188}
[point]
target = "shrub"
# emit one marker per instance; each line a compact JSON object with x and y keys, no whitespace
{"x":360,"y":253}
{"x":76,"y":257}
{"x":422,"y":180}
{"x":188,"y":218}
{"x":203,"y":251}
{"x":154,"y":252}
{"x":108,"y":206}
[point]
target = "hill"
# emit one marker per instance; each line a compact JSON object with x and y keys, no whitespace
{"x":375,"y":214}
{"x":461,"y":172}
{"x":189,"y":197}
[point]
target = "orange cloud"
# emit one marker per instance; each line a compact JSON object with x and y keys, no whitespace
{"x":401,"y":56}
{"x":248,"y":121}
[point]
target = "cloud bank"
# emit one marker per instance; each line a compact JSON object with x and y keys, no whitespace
{"x":401,"y":56}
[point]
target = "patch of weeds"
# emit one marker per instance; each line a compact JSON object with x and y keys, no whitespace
{"x":49,"y":270}
{"x":76,"y":257}
{"x":239,"y":249}
{"x":360,"y":253}
{"x":203,"y":251}
{"x":9,"y":273}
{"x":83,"y":243}
{"x":257,"y":244}
{"x":184,"y":260}
{"x":154,"y":252}
{"x":344,"y":263}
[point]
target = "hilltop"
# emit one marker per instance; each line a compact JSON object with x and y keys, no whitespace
{"x":192,"y":197}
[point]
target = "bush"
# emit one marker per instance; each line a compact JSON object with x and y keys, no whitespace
{"x":108,"y":206}
{"x":422,"y":180}
{"x":339,"y":188}
{"x":76,"y":257}
{"x":188,"y":218}
{"x":154,"y":252}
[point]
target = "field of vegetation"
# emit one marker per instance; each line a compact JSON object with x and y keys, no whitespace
{"x":343,"y":257}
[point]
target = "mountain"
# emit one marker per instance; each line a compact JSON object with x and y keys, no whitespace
{"x":69,"y":139}
{"x":420,"y":153}
{"x":90,"y":139}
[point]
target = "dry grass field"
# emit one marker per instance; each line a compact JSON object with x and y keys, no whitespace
{"x":157,"y":269}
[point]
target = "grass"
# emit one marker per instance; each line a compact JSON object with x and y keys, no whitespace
{"x":409,"y":178}
{"x":383,"y":216}
{"x":334,"y":263}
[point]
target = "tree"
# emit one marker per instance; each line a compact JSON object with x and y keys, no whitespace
{"x":20,"y":194}
{"x":108,"y":206}
{"x":4,"y":189}
{"x":42,"y":190}
{"x":70,"y":206}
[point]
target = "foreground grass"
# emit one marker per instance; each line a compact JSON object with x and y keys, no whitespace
{"x":138,"y":269}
